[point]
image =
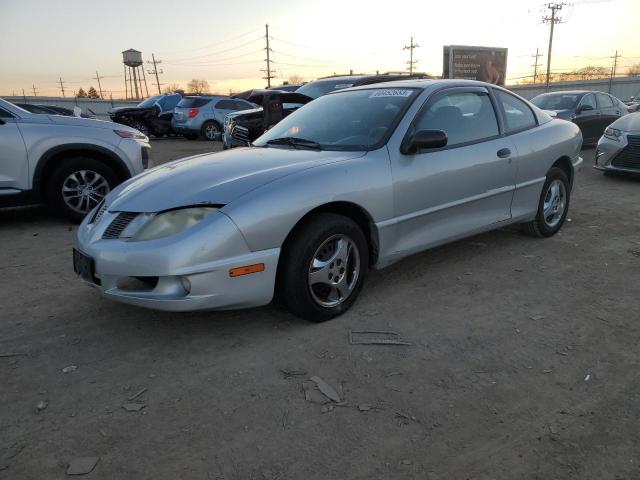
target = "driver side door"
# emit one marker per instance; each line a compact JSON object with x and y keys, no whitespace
{"x":450,"y":192}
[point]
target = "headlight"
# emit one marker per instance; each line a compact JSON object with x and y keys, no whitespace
{"x":171,"y":222}
{"x":128,"y":134}
{"x":613,"y":134}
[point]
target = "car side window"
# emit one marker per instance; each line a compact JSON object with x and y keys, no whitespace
{"x":517,"y":114}
{"x":604,"y":101}
{"x":225,"y":105}
{"x":464,"y":116}
{"x":588,"y":99}
{"x":240,"y":105}
{"x":171,"y":102}
{"x":5,"y":114}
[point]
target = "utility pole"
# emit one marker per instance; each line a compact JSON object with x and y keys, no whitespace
{"x":35,"y":90}
{"x":61,"y":86}
{"x":613,"y":69}
{"x":98,"y":77}
{"x":535,"y":66}
{"x":24,"y":97}
{"x":268,"y":70}
{"x":155,"y":70}
{"x":411,"y":61}
{"x":551,"y":20}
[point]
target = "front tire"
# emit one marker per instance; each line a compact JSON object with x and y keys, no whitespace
{"x":553,"y":205}
{"x":78,"y":185}
{"x":323,"y":267}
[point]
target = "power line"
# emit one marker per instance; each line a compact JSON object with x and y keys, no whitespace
{"x":61,"y":86}
{"x":268,"y":70}
{"x":535,"y":66}
{"x":221,"y":51}
{"x":155,"y":70}
{"x":227,"y":40}
{"x":613,"y":69}
{"x":552,"y":20}
{"x":98,"y":78}
{"x":411,"y":61}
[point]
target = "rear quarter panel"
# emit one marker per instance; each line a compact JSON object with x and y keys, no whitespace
{"x":538,"y":149}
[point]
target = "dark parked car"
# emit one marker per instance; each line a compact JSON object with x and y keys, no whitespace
{"x":151,"y":116}
{"x":242,"y":129}
{"x":54,"y":110}
{"x":287,"y":87}
{"x":593,"y":112}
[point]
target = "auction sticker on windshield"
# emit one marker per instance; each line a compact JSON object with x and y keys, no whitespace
{"x":391,"y":92}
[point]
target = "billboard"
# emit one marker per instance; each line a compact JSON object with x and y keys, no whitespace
{"x":486,"y":64}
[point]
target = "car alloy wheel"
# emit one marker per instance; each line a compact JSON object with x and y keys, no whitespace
{"x":555,"y":202}
{"x":211,"y":131}
{"x":333,"y":272}
{"x":83,"y":190}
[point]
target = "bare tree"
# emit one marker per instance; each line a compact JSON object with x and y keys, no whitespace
{"x":198,"y":86}
{"x":92,"y":93}
{"x":172,"y":88}
{"x":295,"y":79}
{"x":634,"y":70}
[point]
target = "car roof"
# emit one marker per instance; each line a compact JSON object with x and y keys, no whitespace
{"x":422,"y":84}
{"x":573,"y":92}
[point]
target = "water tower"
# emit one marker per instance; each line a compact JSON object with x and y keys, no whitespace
{"x":132,"y":60}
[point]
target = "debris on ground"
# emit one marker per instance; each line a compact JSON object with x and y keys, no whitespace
{"x":405,"y":418}
{"x":69,"y":369}
{"x":364,"y":407}
{"x":42,"y":404}
{"x":133,"y":407}
{"x":312,"y":394}
{"x":292,"y":373}
{"x":136,"y":395}
{"x":326,"y":389}
{"x":588,"y":377}
{"x":406,"y":462}
{"x":82,"y":465}
{"x":12,"y":354}
{"x":635,"y":253}
{"x":327,"y":409}
{"x":375,"y":337}
{"x":536,"y":317}
{"x":393,"y":374}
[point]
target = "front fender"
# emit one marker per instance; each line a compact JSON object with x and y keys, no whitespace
{"x":266,"y":215}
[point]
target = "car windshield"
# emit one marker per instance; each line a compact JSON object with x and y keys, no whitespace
{"x":351,"y":120}
{"x":320,"y":88}
{"x":556,"y":101}
{"x":149,"y":101}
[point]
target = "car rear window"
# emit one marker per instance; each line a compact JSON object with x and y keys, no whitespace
{"x":193,"y":102}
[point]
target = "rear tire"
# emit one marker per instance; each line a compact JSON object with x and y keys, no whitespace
{"x":323,"y":267}
{"x":553,"y":205}
{"x":77,"y":185}
{"x":210,"y":131}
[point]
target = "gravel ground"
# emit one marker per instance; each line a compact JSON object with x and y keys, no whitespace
{"x":523,"y":363}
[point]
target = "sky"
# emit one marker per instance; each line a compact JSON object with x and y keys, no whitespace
{"x":223,"y":42}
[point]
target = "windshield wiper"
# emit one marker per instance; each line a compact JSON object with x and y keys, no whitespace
{"x":295,"y":142}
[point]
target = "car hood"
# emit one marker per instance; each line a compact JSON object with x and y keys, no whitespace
{"x":628,"y":123}
{"x":85,"y":122}
{"x":214,"y":178}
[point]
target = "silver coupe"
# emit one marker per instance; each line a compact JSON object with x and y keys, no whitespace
{"x":356,"y":179}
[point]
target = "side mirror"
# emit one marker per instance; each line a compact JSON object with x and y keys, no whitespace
{"x":585,"y":108}
{"x":424,"y":139}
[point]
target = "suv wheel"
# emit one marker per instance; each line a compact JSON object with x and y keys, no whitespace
{"x":210,"y":131}
{"x":322,"y":267}
{"x":78,"y":185}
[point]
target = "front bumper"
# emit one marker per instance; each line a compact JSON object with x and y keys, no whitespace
{"x":185,"y":272}
{"x":621,"y":155}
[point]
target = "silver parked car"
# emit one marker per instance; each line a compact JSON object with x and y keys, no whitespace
{"x":356,"y":179}
{"x":68,"y":163}
{"x":204,"y":116}
{"x":618,"y":149}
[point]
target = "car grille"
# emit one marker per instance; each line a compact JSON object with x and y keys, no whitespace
{"x":118,"y":224}
{"x":99,"y":212}
{"x":629,"y":156}
{"x":240,"y":133}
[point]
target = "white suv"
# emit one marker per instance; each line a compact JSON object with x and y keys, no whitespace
{"x":69,"y":163}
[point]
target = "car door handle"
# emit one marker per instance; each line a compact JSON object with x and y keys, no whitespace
{"x":504,"y":153}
